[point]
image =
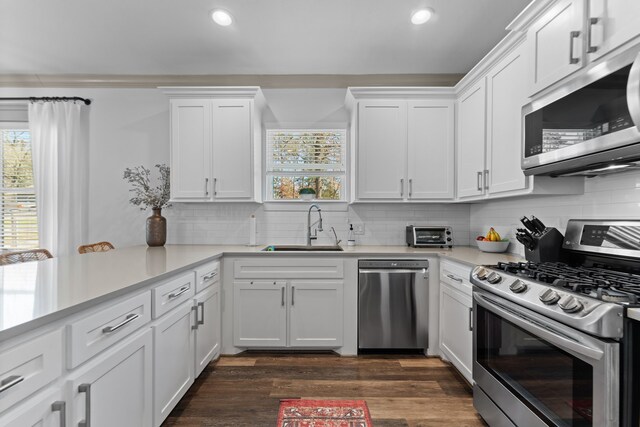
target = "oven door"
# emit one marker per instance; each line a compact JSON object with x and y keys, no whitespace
{"x":430,"y":236}
{"x":539,"y":372}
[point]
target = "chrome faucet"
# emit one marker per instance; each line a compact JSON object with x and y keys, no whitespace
{"x":309,"y":225}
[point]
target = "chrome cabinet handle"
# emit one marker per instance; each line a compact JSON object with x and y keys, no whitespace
{"x":452,"y":277}
{"x":195,"y":321}
{"x":573,"y":35}
{"x":60,"y":406}
{"x":486,"y":179}
{"x":215,"y":182}
{"x":9,"y":382}
{"x":201,"y":321}
{"x":471,"y":318}
{"x":86,"y":389}
{"x":479,"y":181}
{"x":590,"y":47}
{"x":282,"y":297}
{"x":209,"y":276}
{"x":410,"y":187}
{"x":206,"y":186}
{"x":130,"y":318}
{"x":401,"y":187}
{"x":293,"y":290}
{"x":182,"y":290}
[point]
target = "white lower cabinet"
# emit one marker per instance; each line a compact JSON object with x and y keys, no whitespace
{"x":173,"y":366}
{"x":114,"y":389}
{"x":207,"y":329}
{"x":311,"y":311}
{"x":47,"y":409}
{"x":315,"y":314}
{"x":456,"y":318}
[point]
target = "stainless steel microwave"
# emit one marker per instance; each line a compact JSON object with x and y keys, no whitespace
{"x":423,"y":236}
{"x":591,"y":126}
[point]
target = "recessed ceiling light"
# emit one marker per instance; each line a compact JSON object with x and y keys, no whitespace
{"x":221,"y":17}
{"x":421,"y":16}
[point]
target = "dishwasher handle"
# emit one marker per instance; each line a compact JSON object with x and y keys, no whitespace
{"x":393,"y":270}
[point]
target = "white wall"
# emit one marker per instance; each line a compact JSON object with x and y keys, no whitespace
{"x":130,"y":127}
{"x":607,"y":197}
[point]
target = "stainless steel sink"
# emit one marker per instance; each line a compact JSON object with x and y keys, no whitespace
{"x":301,"y":248}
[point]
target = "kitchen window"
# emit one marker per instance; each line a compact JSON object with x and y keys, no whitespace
{"x":18,"y":218}
{"x":305,"y":158}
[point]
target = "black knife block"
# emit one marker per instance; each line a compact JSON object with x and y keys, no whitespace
{"x":548,"y":246}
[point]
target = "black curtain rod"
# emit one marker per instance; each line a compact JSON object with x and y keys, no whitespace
{"x":49,"y":98}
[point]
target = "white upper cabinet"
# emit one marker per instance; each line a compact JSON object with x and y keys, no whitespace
{"x":506,"y":95}
{"x":556,"y":43}
{"x":430,"y":164}
{"x":190,"y":149}
{"x":404,"y":143}
{"x":611,"y":23}
{"x":471,"y":141}
{"x":215,"y":143}
{"x":382,"y":136}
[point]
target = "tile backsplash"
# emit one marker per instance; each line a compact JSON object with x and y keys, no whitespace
{"x":608,"y":197}
{"x":384,"y":224}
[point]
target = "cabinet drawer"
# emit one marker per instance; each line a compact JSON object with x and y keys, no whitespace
{"x":26,"y":368}
{"x":172,"y":293}
{"x":289,"y":268}
{"x":93,"y":334}
{"x":207,"y":275}
{"x":457,"y":276}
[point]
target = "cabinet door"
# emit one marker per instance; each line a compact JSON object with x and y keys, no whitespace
{"x":260,"y":314}
{"x":315,"y":318}
{"x":173,"y":369}
{"x":456,"y":334}
{"x":430,"y":149}
{"x":115,"y":388}
{"x":382,"y":149}
{"x":556,"y":43}
{"x":190,"y":149}
{"x":208,"y":330}
{"x":611,"y":23}
{"x":506,"y":96}
{"x":47,"y":409}
{"x":471,"y":141}
{"x":232,"y":149}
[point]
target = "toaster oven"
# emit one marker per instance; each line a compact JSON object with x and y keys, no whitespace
{"x":420,"y":236}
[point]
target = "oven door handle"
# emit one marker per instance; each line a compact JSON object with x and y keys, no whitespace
{"x":562,"y":339}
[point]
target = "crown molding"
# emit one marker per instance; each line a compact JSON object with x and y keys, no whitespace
{"x":268,"y":81}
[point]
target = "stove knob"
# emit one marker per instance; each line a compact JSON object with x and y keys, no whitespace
{"x":549,"y":296}
{"x":480,"y":272}
{"x":493,"y":278}
{"x":570,"y":304}
{"x":518,"y":286}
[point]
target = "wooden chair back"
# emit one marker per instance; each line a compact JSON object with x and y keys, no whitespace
{"x":95,"y":247}
{"x":24,"y":256}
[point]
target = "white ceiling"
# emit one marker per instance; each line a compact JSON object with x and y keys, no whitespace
{"x":267,"y":37}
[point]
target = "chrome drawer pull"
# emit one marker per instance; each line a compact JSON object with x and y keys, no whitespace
{"x":590,"y":47}
{"x":86,"y":389}
{"x":9,"y":382}
{"x":293,"y":290}
{"x":209,"y":276}
{"x":282,"y":297}
{"x":130,"y":318}
{"x":180,"y":292}
{"x":206,"y":186}
{"x":471,"y":318}
{"x":195,"y":323}
{"x":573,"y":35}
{"x":452,"y":277}
{"x":201,"y":305}
{"x":60,"y":406}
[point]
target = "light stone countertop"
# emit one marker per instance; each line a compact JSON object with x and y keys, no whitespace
{"x":36,"y":293}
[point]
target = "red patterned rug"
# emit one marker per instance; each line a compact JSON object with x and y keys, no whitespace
{"x":323,"y":413}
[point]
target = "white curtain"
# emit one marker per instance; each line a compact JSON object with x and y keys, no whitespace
{"x":60,"y":143}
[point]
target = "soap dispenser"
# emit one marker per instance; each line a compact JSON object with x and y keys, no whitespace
{"x":351,"y":240}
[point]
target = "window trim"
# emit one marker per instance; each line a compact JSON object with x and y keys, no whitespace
{"x":299,"y":204}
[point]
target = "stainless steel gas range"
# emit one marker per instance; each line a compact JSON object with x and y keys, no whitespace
{"x":552,"y":343}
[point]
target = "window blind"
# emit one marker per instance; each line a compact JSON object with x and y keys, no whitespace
{"x":294,"y":151}
{"x":18,"y":218}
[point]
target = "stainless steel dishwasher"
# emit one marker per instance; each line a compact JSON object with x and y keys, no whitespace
{"x":393,"y":303}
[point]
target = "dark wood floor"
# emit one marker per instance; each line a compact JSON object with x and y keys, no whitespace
{"x":245,"y":390}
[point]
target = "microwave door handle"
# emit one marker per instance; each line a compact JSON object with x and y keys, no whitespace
{"x":561,"y":339}
{"x":633,"y":92}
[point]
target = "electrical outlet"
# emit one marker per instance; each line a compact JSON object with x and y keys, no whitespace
{"x":358,"y":228}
